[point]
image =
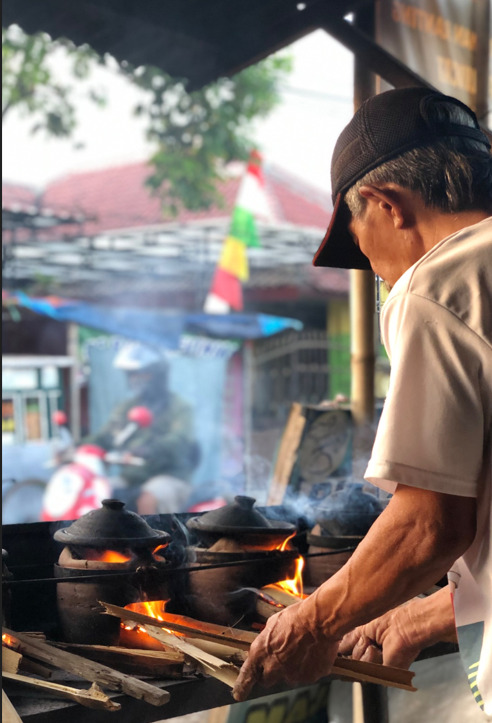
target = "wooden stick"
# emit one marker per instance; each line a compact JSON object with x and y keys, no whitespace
{"x":217,"y":668}
{"x":9,"y":714}
{"x":366,"y":672}
{"x":94,"y":672}
{"x":280,"y":596}
{"x":31,"y":666}
{"x":11,"y":660}
{"x":157,"y":663}
{"x":241,"y":639}
{"x":92,"y":698}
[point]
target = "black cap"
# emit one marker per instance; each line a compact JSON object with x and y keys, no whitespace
{"x":385,"y":126}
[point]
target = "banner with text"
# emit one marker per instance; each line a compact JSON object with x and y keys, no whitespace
{"x":447,"y":42}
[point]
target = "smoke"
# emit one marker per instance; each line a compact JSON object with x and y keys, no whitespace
{"x":340,"y":506}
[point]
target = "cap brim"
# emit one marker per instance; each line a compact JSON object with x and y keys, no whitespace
{"x":338,"y":248}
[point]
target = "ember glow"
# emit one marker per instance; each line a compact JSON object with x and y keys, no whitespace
{"x":8,"y":640}
{"x":294,"y":586}
{"x":108,"y":556}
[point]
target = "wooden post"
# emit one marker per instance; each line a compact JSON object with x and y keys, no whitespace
{"x":362,"y":293}
{"x":73,"y":352}
{"x":248,"y":413}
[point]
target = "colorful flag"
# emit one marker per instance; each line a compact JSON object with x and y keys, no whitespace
{"x":251,"y":203}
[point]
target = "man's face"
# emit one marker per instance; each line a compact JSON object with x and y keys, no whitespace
{"x":374,"y":240}
{"x":377,"y":238}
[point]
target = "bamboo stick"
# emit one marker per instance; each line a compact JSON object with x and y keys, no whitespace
{"x":280,"y":596}
{"x":94,"y":672}
{"x":345,"y":667}
{"x":9,"y":714}
{"x":217,"y":668}
{"x":92,"y":698}
{"x":241,"y":639}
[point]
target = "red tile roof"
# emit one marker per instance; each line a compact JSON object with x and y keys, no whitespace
{"x":117,"y":198}
{"x":16,"y":194}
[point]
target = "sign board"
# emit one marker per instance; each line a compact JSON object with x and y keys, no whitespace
{"x":447,"y":42}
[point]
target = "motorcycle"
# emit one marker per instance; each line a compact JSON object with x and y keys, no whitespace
{"x":81,"y":485}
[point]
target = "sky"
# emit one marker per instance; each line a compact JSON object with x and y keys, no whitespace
{"x":298,"y":136}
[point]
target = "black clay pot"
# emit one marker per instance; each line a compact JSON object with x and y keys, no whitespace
{"x":111,"y":527}
{"x":240,"y":521}
{"x":219,"y":594}
{"x":103,"y":542}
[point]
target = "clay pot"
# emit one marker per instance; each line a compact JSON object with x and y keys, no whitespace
{"x":129,"y":544}
{"x":220,"y":595}
{"x":319,"y":569}
{"x":240,"y":521}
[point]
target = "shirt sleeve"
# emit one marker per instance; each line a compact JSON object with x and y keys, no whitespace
{"x":431,"y":432}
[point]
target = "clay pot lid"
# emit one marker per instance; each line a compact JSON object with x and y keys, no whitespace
{"x":111,"y":526}
{"x":239,"y":518}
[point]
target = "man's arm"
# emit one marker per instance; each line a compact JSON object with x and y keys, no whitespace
{"x":412,"y":544}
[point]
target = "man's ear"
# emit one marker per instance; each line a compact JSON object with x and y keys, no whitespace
{"x":390,"y":199}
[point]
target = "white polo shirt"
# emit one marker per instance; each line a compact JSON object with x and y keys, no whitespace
{"x":435,"y":429}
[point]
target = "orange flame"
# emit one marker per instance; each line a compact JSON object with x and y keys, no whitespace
{"x":282,"y":547}
{"x":153,"y":608}
{"x":159,"y":547}
{"x":294,"y":586}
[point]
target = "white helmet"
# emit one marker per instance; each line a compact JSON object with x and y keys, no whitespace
{"x":136,"y":357}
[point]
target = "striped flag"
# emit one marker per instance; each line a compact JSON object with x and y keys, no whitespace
{"x":232,"y":270}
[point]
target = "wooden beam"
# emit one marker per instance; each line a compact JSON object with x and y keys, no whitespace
{"x":374,"y":57}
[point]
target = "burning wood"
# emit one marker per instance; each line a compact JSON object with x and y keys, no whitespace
{"x":13,"y":661}
{"x":194,"y":628}
{"x":344,"y":667}
{"x":209,"y":638}
{"x":94,"y":672}
{"x":216,"y":667}
{"x":276,"y":596}
{"x":92,"y":698}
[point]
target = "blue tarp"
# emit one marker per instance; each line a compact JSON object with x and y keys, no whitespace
{"x":159,"y":327}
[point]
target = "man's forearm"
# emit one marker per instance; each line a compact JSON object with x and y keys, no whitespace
{"x":412,"y":545}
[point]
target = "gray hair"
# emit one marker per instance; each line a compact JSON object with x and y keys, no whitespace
{"x":451,"y":175}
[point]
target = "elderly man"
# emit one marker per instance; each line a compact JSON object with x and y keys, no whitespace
{"x":412,"y":190}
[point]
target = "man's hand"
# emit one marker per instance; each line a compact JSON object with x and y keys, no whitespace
{"x":397,"y":637}
{"x":287,"y":650}
{"x":388,"y":640}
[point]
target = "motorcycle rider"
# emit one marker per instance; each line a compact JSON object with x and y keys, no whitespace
{"x":167,"y":445}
